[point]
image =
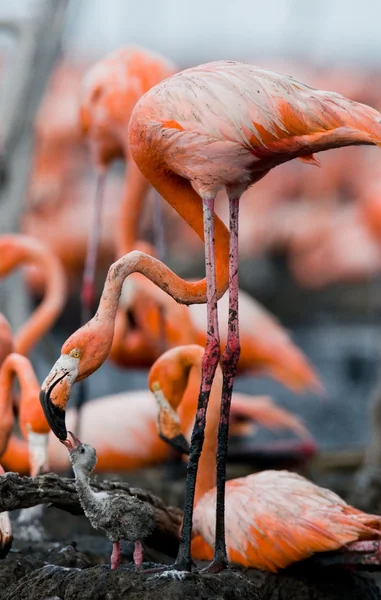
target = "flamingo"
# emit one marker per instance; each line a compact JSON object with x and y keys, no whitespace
{"x":110,"y":91}
{"x":33,"y":424}
{"x":17,"y":249}
{"x":223,"y":125}
{"x":273,"y":518}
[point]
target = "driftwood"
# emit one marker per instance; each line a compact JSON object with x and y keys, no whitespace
{"x":23,"y":492}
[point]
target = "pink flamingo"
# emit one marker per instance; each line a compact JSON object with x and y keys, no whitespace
{"x":223,"y":125}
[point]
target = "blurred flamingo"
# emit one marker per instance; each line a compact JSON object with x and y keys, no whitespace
{"x":110,"y":91}
{"x":273,"y":518}
{"x":32,"y":422}
{"x":223,"y":125}
{"x":16,"y":250}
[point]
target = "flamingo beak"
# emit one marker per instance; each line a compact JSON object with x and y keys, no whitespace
{"x":54,"y":406}
{"x":178,"y":442}
{"x":71,"y":445}
{"x":168,"y":423}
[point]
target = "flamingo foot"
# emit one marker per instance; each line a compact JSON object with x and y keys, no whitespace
{"x":182,"y":564}
{"x":138,"y":554}
{"x":362,"y":555}
{"x":116,"y":557}
{"x":218,"y":564}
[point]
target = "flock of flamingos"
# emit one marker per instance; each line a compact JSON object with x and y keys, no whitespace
{"x":194,"y":137}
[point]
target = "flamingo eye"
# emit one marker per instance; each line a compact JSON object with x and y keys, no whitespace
{"x":82,"y":450}
{"x":76,"y":353}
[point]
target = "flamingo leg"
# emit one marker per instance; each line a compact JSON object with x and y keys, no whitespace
{"x":229,"y":366}
{"x":88,"y":282}
{"x":209,"y":364}
{"x":138,"y":554}
{"x":116,"y":556}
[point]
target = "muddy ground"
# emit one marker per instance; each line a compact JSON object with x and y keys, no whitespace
{"x":60,"y":556}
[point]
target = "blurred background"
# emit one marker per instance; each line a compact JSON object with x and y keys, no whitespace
{"x":310,"y":245}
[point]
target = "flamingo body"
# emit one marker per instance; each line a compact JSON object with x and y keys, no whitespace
{"x":225,"y":124}
{"x":276,"y":518}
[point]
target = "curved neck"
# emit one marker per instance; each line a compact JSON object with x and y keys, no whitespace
{"x":135,"y":190}
{"x":52,"y":304}
{"x":16,"y":364}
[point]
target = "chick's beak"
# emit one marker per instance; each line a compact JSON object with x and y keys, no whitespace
{"x":54,"y":395}
{"x":71,"y":445}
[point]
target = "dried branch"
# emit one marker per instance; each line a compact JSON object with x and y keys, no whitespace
{"x":23,"y":492}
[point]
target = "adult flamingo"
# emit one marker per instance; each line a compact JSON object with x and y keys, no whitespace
{"x":273,"y":518}
{"x":223,"y":125}
{"x":32,"y":421}
{"x":16,"y":250}
{"x":110,"y":91}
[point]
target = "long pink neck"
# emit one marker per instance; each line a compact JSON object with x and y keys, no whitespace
{"x":99,"y":331}
{"x":52,"y":304}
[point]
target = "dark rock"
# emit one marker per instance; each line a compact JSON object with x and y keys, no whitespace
{"x":99,"y":583}
{"x":21,"y":562}
{"x":327,"y":584}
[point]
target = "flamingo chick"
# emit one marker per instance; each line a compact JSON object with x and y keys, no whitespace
{"x":120,"y":516}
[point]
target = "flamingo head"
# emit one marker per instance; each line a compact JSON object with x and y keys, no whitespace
{"x":82,"y":456}
{"x":168,"y":422}
{"x":82,"y":354}
{"x":56,"y":389}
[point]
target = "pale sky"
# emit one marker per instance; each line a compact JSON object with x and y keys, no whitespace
{"x":191,"y":31}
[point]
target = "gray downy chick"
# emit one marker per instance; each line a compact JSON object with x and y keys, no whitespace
{"x":121,"y":517}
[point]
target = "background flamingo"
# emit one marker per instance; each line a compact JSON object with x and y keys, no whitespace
{"x":16,"y":250}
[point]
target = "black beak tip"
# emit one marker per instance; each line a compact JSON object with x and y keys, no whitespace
{"x":178,"y":442}
{"x":55,"y":416}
